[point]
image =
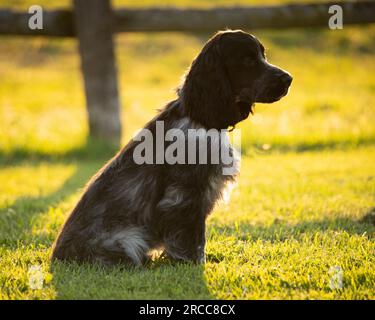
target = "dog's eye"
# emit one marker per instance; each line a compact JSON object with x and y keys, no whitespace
{"x":249,"y":62}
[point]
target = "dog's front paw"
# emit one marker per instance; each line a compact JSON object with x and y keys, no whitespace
{"x":201,"y":256}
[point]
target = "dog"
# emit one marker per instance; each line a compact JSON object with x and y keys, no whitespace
{"x":129,"y":209}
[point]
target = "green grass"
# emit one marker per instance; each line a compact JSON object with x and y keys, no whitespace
{"x":305,"y":201}
{"x":292,"y":217}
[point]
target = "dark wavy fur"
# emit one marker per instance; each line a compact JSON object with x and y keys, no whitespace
{"x":128,"y":209}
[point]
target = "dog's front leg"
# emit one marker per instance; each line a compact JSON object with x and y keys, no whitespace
{"x":186,"y":243}
{"x":182,"y":225}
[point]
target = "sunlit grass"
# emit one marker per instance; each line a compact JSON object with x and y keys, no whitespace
{"x":293,"y":215}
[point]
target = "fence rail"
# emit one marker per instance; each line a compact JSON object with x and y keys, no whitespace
{"x":249,"y":18}
{"x":60,"y":23}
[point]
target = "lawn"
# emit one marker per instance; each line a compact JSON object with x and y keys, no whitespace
{"x":302,"y":213}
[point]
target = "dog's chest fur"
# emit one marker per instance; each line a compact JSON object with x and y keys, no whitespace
{"x":220,"y":177}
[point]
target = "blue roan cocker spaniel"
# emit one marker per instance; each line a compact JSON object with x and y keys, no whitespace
{"x":129,"y":208}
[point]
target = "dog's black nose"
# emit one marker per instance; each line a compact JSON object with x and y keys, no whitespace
{"x":286,"y":79}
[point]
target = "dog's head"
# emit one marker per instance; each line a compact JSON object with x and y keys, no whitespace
{"x":229,"y":75}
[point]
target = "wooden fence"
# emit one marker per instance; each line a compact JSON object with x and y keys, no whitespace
{"x":93,"y":22}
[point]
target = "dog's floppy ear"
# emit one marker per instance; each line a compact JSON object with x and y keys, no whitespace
{"x":206,"y":93}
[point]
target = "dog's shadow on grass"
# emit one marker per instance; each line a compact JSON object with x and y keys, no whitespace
{"x":161,"y":280}
{"x":18,"y":218}
{"x":158,"y":279}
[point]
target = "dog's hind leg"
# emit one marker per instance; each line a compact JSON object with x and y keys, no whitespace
{"x":127,"y":245}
